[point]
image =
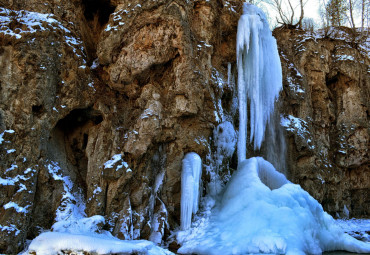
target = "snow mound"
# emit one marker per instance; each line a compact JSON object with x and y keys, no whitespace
{"x":262,"y":212}
{"x":51,"y":243}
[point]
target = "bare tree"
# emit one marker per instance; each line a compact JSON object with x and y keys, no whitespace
{"x":336,"y":12}
{"x":287,"y":16}
{"x":350,"y":10}
{"x":358,"y":18}
{"x":308,"y":24}
{"x":358,"y":13}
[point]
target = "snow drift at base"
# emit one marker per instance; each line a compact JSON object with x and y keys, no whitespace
{"x":50,"y":243}
{"x":262,"y":212}
{"x":75,"y":233}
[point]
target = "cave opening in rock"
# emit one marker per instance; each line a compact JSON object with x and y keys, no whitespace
{"x":96,"y":15}
{"x":37,"y":110}
{"x":98,"y":10}
{"x":71,"y":135}
{"x":66,"y":146}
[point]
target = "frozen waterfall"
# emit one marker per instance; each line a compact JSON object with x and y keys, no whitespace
{"x":190,"y":180}
{"x":259,"y":76}
{"x":260,"y":211}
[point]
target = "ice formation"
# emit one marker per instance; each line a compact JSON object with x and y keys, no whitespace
{"x":260,"y":211}
{"x":190,"y":180}
{"x":259,"y":76}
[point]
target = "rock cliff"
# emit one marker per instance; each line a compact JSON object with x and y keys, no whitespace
{"x":326,"y":108}
{"x":100,"y":100}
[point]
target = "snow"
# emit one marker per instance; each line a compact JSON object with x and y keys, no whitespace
{"x":2,"y":134}
{"x":201,"y":140}
{"x":95,"y":64}
{"x":344,"y":57}
{"x":73,"y":231}
{"x":117,"y":16}
{"x":225,"y":138}
{"x":297,"y":126}
{"x":261,"y":212}
{"x":11,"y":168}
{"x":7,"y":181}
{"x":190,"y":183}
{"x":259,"y":76}
{"x":97,"y":190}
{"x":114,"y":160}
{"x":91,"y":85}
{"x":12,"y":181}
{"x":296,"y":88}
{"x":217,"y":79}
{"x":50,"y":243}
{"x":33,"y":22}
{"x":70,"y":215}
{"x":16,"y":207}
{"x":117,"y":158}
{"x":10,"y":229}
{"x":359,"y":228}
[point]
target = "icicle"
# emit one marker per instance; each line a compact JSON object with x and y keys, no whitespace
{"x":190,"y":180}
{"x":228,"y":74}
{"x":259,"y":76}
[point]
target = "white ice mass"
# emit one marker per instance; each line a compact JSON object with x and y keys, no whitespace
{"x":190,"y":183}
{"x":259,"y":76}
{"x":260,"y":211}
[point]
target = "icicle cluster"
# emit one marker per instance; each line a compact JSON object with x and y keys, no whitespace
{"x":190,"y":181}
{"x":259,"y":76}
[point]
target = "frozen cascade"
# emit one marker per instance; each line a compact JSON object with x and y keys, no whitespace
{"x":190,"y":183}
{"x":259,"y":76}
{"x":260,"y":211}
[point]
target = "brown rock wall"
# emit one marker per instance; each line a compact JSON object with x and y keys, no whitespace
{"x":327,"y":85}
{"x":135,"y":79}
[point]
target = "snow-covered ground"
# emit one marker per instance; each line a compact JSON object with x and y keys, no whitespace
{"x":358,"y":228}
{"x":50,"y":243}
{"x":74,"y":232}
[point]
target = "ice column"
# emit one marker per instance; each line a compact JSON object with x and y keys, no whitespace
{"x":259,"y":76}
{"x":190,"y":182}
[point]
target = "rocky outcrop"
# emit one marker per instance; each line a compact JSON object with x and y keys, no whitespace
{"x":102,"y":99}
{"x":108,"y":95}
{"x":326,"y":107}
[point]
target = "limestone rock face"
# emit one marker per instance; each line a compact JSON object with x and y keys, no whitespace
{"x":109,"y":95}
{"x":326,"y":87}
{"x":102,"y":99}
